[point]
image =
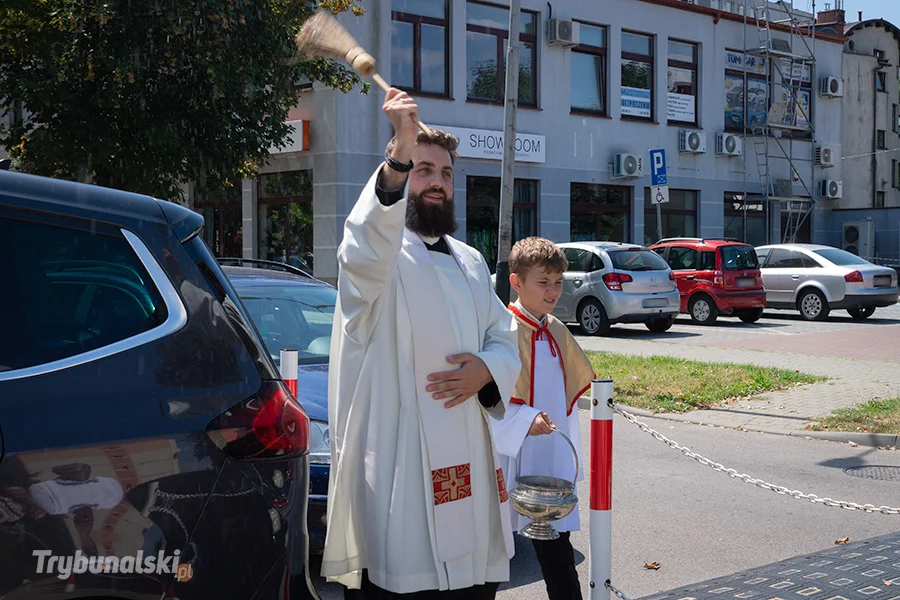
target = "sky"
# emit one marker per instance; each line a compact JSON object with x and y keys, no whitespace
{"x":872,"y":9}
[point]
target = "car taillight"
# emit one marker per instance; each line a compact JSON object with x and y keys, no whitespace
{"x":269,"y":425}
{"x":614,"y":281}
{"x":718,"y":279}
{"x":672,"y":275}
{"x":854,"y":277}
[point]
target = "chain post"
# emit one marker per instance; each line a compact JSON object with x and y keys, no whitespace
{"x":601,"y":488}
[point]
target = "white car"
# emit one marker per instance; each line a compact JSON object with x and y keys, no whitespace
{"x":815,"y":279}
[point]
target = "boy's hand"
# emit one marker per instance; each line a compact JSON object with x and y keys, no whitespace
{"x":542,"y":425}
{"x":460,"y":384}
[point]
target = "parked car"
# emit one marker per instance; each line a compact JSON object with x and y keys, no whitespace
{"x":614,"y":282}
{"x":715,"y":276}
{"x":294,"y":311}
{"x":816,"y":279}
{"x":141,"y":416}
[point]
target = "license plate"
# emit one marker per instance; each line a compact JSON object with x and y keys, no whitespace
{"x":882,"y":281}
{"x":655,"y":302}
{"x":746,"y":282}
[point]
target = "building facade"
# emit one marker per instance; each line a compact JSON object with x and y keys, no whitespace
{"x":866,"y":220}
{"x":644,"y":74}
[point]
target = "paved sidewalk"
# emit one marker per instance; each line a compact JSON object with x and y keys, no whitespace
{"x":851,"y":381}
{"x":868,"y":569}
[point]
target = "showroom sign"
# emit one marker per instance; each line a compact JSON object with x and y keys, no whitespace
{"x":484,"y":143}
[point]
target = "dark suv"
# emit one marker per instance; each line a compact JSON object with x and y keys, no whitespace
{"x":715,"y":276}
{"x":148,"y":446}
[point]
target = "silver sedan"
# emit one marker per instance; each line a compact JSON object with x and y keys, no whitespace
{"x":815,"y":279}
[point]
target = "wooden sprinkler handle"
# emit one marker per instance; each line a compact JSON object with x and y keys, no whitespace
{"x":384,"y":85}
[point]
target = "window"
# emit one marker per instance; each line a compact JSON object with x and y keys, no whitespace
{"x":682,"y":99}
{"x":879,"y":139}
{"x":679,"y":216}
{"x":589,"y":71}
{"x":681,"y":259}
{"x":785,"y":259}
{"x":72,"y":291}
{"x":289,"y":316}
{"x":895,"y":115}
{"x":579,"y":259}
{"x":791,"y":98}
{"x":895,"y":172}
{"x":286,"y":218}
{"x":599,"y":213}
{"x":744,"y":109}
{"x":483,"y":213}
{"x":637,"y":76}
{"x":636,"y":260}
{"x":223,"y":220}
{"x":738,"y":257}
{"x":881,"y":81}
{"x":486,"y":41}
{"x":879,"y":199}
{"x":745,"y":221}
{"x":419,"y":41}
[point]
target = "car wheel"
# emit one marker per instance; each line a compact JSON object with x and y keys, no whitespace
{"x":592,"y":317}
{"x":703,"y":310}
{"x":813,"y":306}
{"x":751,"y":315}
{"x":861,"y":313}
{"x":660,"y":325}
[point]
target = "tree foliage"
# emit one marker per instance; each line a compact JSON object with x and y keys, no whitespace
{"x":144,"y":95}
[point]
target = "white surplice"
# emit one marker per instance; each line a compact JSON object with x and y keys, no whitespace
{"x":401,"y":310}
{"x":548,"y":455}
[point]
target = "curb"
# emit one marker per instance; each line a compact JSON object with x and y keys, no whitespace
{"x":875,"y":440}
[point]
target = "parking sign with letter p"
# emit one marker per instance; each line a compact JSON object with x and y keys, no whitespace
{"x":658,"y":168}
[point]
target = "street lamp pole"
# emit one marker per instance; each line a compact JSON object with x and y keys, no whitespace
{"x":507,"y":179}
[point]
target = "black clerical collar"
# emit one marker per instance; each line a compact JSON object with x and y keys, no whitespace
{"x":439,"y":246}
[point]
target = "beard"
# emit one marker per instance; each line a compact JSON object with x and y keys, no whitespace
{"x":428,"y":219}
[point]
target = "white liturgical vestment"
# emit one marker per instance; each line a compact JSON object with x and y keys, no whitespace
{"x":416,"y":494}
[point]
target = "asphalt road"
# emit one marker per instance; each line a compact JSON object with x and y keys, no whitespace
{"x":773,"y":323}
{"x":700,"y":524}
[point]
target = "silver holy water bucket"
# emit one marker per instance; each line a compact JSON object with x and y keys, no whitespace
{"x":544,"y":499}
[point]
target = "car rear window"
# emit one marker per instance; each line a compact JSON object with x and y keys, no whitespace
{"x":292,"y":316}
{"x":735,"y":258}
{"x":841,"y":258}
{"x":71,"y":291}
{"x":637,"y":260}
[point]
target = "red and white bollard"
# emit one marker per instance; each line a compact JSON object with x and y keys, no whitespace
{"x":601,"y":489}
{"x":288,"y":368}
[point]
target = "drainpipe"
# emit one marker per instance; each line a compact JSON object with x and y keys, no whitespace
{"x":875,"y":134}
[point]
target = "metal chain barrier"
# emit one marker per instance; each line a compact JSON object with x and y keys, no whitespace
{"x":869,"y":508}
{"x":616,"y":591}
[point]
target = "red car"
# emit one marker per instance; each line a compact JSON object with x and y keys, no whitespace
{"x":715,"y":276}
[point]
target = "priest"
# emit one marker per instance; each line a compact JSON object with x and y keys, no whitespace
{"x":423,"y":354}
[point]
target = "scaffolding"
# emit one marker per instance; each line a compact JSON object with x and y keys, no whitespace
{"x":785,"y":134}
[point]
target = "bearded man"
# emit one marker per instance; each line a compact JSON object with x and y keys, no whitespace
{"x":423,"y":353}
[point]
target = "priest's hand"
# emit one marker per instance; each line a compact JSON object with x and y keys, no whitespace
{"x":401,"y":111}
{"x":459,"y":385}
{"x":542,"y":425}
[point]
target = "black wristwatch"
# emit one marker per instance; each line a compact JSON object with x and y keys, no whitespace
{"x":397,"y":165}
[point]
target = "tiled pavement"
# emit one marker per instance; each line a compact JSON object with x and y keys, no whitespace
{"x":869,"y":569}
{"x":845,"y":357}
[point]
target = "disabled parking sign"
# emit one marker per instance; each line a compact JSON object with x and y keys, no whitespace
{"x":659,"y":191}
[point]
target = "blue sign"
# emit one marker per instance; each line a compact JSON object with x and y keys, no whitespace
{"x":658,"y":168}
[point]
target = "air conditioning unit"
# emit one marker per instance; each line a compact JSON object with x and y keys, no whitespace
{"x":729,"y":144}
{"x":562,"y":32}
{"x":831,"y":86}
{"x":825,"y":156}
{"x":831,"y":188}
{"x":859,"y":238}
{"x":691,"y":141}
{"x":627,"y":165}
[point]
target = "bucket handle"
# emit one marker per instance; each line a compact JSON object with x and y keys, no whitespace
{"x":574,"y":455}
